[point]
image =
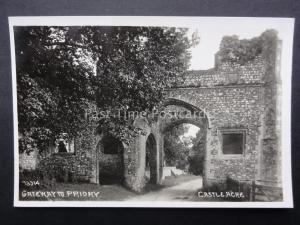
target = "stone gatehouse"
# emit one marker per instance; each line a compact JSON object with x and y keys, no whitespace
{"x":239,"y":105}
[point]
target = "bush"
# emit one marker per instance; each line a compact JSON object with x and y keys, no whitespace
{"x":234,"y":50}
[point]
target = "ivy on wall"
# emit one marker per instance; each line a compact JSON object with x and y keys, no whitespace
{"x":241,"y":51}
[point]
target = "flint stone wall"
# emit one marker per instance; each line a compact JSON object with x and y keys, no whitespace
{"x":238,"y":98}
{"x":80,"y":166}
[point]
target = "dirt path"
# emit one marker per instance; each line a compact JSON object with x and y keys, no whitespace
{"x":182,"y":192}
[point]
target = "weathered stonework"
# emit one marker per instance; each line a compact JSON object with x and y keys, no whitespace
{"x":80,"y":166}
{"x":234,"y":98}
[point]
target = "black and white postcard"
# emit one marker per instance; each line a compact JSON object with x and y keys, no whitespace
{"x":152,"y":111}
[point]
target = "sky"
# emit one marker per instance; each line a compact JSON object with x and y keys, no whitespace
{"x":192,"y":131}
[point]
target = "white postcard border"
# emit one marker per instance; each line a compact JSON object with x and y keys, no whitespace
{"x":287,"y":25}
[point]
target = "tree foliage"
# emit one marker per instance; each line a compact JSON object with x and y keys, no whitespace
{"x":176,"y":149}
{"x":233,"y":49}
{"x":196,"y":159}
{"x":61,"y":69}
{"x":185,"y":152}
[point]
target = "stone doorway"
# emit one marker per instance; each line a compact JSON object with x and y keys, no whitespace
{"x":151,"y":169}
{"x":110,"y":160}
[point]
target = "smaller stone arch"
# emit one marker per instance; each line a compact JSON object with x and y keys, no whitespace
{"x":199,"y":123}
{"x":189,"y":106}
{"x":110,"y":160}
{"x":166,"y":124}
{"x":196,"y":116}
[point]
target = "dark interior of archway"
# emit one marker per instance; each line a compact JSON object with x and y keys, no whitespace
{"x":151,"y":159}
{"x":185,"y":148}
{"x":111,"y":162}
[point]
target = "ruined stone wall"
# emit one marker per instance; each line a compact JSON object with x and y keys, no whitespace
{"x":88,"y":163}
{"x":110,"y":166}
{"x":64,"y":167}
{"x":228,"y":108}
{"x":270,"y":160}
{"x":227,"y":73}
{"x":80,"y":166}
{"x":135,"y":159}
{"x":232,"y":98}
{"x":135,"y":156}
